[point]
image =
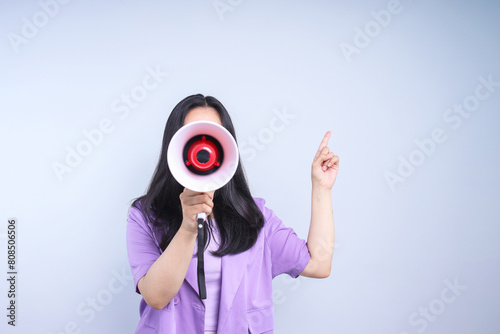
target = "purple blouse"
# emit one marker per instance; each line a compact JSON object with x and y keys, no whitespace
{"x":245,"y":300}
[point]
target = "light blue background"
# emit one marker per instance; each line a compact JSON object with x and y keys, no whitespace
{"x":395,"y":248}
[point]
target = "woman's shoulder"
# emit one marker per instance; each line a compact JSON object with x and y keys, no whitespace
{"x":137,"y":214}
{"x":136,"y":208}
{"x":260,"y":202}
{"x":139,"y":222}
{"x":271,"y":221}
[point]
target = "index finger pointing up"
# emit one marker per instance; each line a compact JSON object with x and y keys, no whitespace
{"x":324,"y":142}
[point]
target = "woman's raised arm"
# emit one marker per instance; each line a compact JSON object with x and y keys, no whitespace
{"x":321,"y":238}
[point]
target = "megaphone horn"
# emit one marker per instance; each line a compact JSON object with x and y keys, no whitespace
{"x":202,"y":156}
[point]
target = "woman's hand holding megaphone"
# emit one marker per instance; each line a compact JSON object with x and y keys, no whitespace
{"x":193,"y":203}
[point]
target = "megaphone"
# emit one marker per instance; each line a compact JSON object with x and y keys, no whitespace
{"x":202,"y":156}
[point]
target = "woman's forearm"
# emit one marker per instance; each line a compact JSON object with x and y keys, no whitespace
{"x":165,"y":276}
{"x":321,"y":238}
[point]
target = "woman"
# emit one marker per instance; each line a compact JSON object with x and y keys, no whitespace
{"x":247,"y":245}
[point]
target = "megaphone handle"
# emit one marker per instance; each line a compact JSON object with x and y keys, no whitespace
{"x":202,"y":216}
{"x":201,"y":262}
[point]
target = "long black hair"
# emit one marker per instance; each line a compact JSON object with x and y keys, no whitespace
{"x":239,"y":220}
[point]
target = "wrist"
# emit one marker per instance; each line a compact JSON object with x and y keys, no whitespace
{"x":187,"y":232}
{"x":321,"y":190}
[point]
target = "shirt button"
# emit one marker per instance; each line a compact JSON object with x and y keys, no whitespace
{"x":176,"y":300}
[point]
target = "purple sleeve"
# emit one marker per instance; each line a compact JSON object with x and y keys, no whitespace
{"x":142,"y":247}
{"x":289,"y":253}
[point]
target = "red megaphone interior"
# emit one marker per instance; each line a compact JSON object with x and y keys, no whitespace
{"x":203,"y":155}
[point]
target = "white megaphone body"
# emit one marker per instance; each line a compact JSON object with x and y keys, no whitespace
{"x":202,"y":156}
